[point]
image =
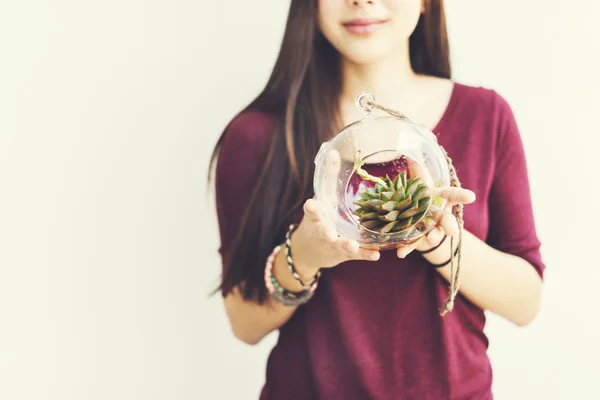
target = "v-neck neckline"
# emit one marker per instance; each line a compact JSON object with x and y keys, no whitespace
{"x":449,"y":108}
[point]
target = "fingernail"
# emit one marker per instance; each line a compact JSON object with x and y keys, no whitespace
{"x":374,"y":257}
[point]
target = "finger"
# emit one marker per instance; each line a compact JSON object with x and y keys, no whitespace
{"x":435,"y":236}
{"x":405,"y":250}
{"x":327,"y":233}
{"x":354,"y":252}
{"x":449,"y":224}
{"x":349,"y":247}
{"x":457,"y":195}
{"x":369,"y":255}
{"x":312,"y":210}
{"x":416,"y":169}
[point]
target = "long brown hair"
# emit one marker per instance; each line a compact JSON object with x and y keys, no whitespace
{"x":303,"y":93}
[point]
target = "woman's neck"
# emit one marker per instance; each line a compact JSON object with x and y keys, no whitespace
{"x":394,"y":84}
{"x":388,"y":79}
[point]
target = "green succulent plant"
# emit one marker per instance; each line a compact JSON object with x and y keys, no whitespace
{"x":393,"y":205}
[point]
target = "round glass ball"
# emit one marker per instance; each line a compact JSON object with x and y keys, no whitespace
{"x":379,"y":180}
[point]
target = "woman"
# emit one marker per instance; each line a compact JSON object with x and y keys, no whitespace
{"x":371,"y":328}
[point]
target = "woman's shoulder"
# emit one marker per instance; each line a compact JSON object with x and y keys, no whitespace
{"x":484,"y":101}
{"x":250,"y":130}
{"x":252,"y":124}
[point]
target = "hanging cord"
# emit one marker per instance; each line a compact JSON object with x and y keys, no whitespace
{"x":365,"y":101}
{"x":387,"y":110}
{"x":454,"y":270}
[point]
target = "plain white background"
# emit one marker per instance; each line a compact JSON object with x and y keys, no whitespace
{"x":108,"y":237}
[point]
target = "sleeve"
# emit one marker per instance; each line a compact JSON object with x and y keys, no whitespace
{"x":512,"y":226}
{"x":239,"y":165}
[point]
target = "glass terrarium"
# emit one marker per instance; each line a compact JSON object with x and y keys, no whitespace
{"x":379,"y":178}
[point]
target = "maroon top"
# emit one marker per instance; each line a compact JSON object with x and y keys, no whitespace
{"x":373,"y":331}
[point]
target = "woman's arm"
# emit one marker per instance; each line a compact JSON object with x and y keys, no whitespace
{"x":241,"y":160}
{"x":251,"y":322}
{"x":314,"y":244}
{"x":504,"y":273}
{"x":492,"y":280}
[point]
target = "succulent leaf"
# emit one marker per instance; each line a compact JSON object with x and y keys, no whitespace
{"x":403,"y":205}
{"x":375,"y":203}
{"x":365,"y":216}
{"x":388,"y":227}
{"x":386,"y":195}
{"x":418,"y":216}
{"x":403,"y":224}
{"x":391,"y":216}
{"x":372,"y":224}
{"x":419,"y":191}
{"x":424,"y":201}
{"x":410,"y":212}
{"x":398,"y":194}
{"x":389,"y":206}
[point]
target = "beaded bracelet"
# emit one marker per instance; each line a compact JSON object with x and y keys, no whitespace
{"x":288,"y":256}
{"x":281,"y":295}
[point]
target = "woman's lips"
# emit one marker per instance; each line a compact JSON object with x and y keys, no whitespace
{"x":363,"y":26}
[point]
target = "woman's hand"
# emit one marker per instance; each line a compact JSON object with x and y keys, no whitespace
{"x":447,"y":224}
{"x":315,"y":244}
